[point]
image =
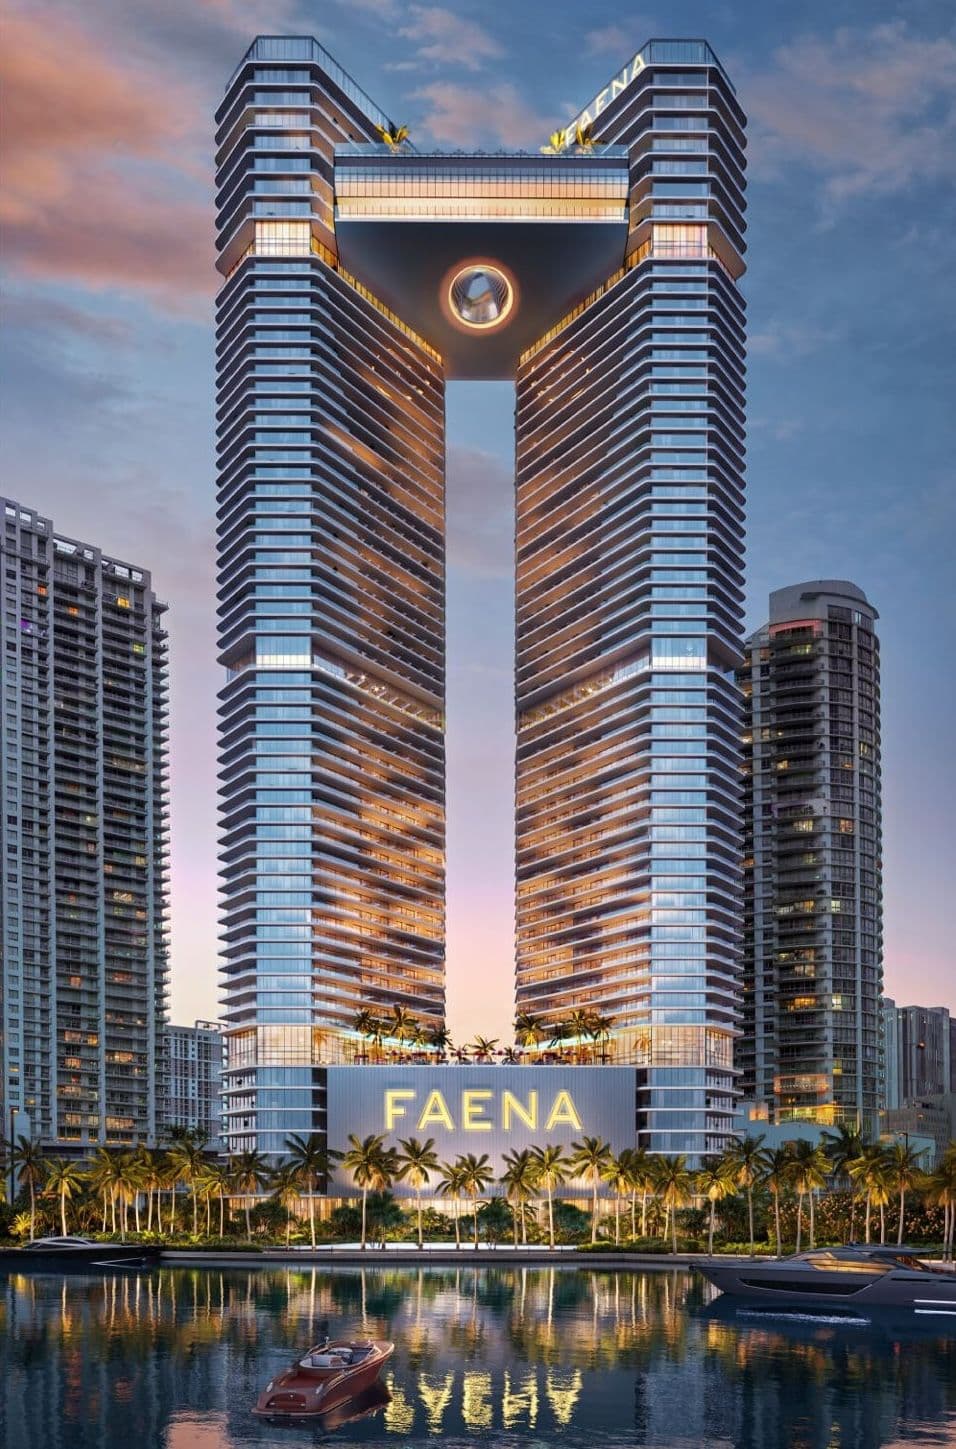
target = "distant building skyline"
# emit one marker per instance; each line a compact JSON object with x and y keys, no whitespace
{"x":813,"y":934}
{"x":83,"y":698}
{"x":918,"y":1052}
{"x":193,"y":1096}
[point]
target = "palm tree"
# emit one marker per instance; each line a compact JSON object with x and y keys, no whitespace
{"x":521,"y":1178}
{"x":842,"y":1147}
{"x":714,"y":1181}
{"x":402,"y":1026}
{"x":601,"y":1028}
{"x":941,"y":1192}
{"x":148,"y":1163}
{"x":127,"y":1181}
{"x":675,"y":1187}
{"x":369,"y":1163}
{"x":778,"y":1175}
{"x":311,"y":1161}
{"x":869,"y":1172}
{"x":63,"y":1179}
{"x":418,"y":1160}
{"x":579,"y":1024}
{"x":528,"y":1029}
{"x":439,"y":1037}
{"x":286,"y":1184}
{"x":484,"y":1047}
{"x":393,"y":136}
{"x":365,"y":1023}
{"x":557,"y":143}
{"x":904,"y":1172}
{"x":29,"y":1169}
{"x":809,"y":1163}
{"x":476,"y":1175}
{"x":214,"y":1183}
{"x":589,"y":1159}
{"x":186,"y":1160}
{"x":617,"y":1173}
{"x":101,"y":1175}
{"x":584,"y":138}
{"x":249,"y":1171}
{"x":744,"y":1156}
{"x":553,"y":1169}
{"x":451,"y":1184}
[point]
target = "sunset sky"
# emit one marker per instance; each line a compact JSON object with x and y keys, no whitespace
{"x":108,"y":370}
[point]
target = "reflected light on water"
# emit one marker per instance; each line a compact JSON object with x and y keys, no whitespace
{"x":584,"y":1359}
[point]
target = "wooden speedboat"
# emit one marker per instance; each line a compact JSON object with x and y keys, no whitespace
{"x":329,"y":1374}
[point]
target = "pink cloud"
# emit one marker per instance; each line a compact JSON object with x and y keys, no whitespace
{"x":448,"y":38}
{"x":72,"y":206}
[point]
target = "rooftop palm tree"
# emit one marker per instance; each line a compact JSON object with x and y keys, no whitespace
{"x":393,"y":136}
{"x":366,"y":1023}
{"x":29,"y":1169}
{"x":589,"y":1159}
{"x":809,"y":1163}
{"x":417,"y":1162}
{"x":521,"y":1178}
{"x":367,"y":1162}
{"x":248,"y":1171}
{"x":675,"y":1187}
{"x":402,"y":1025}
{"x":63,"y":1180}
{"x":477,"y":1175}
{"x":439,"y":1037}
{"x":601,"y":1028}
{"x":484,"y":1047}
{"x":747,"y":1161}
{"x":451,"y":1184}
{"x":904,"y":1172}
{"x":714,"y":1181}
{"x":528,"y":1029}
{"x":553,"y":1169}
{"x":557,"y":142}
{"x":578,"y":1025}
{"x":584,"y":138}
{"x":308,"y":1157}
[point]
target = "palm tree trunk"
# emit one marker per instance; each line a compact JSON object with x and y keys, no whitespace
{"x":899,"y":1234}
{"x":312,"y":1214}
{"x":195,"y":1212}
{"x":63,"y":1211}
{"x":710,"y":1234}
{"x":524,"y":1226}
{"x":364,"y":1213}
{"x":812,"y":1221}
{"x":248,"y":1222}
{"x":750,"y":1214}
{"x":882,"y":1223}
{"x":776,"y":1219}
{"x":799,"y":1219}
{"x":852,"y":1213}
{"x":674,"y":1228}
{"x":868,"y":1207}
{"x":105,"y":1209}
{"x":474,"y":1208}
{"x":113,"y":1209}
{"x":33,"y":1212}
{"x":514,"y":1222}
{"x":550,"y":1215}
{"x":644,"y":1213}
{"x":633,"y":1215}
{"x":594,"y":1213}
{"x":222,"y":1215}
{"x":457,"y":1221}
{"x":418,"y":1205}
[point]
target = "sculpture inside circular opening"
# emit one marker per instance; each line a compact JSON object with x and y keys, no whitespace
{"x":480,"y":296}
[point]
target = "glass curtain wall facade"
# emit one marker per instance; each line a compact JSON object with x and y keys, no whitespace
{"x":812,"y":868}
{"x":629,"y":541}
{"x":83,"y":888}
{"x":331,"y":556}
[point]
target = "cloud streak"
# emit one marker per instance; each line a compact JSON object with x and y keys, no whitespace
{"x":445,"y":38}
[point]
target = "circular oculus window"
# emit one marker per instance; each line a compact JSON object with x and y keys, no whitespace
{"x":480,"y":296}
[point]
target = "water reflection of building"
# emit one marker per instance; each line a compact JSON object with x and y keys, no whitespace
{"x":176,"y":1359}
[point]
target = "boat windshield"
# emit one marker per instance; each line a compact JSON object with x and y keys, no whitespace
{"x":830,"y":1263}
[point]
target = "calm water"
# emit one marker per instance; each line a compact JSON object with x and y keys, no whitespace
{"x":175,"y":1358}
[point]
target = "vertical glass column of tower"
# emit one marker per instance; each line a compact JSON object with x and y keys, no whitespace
{"x":331,"y":555}
{"x":813,"y":965}
{"x":629,"y":541}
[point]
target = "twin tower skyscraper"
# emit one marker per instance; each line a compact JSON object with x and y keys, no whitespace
{"x":601,"y":275}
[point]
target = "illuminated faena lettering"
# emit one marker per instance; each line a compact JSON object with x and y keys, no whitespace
{"x":435,"y":1113}
{"x":594,"y":108}
{"x":394,"y":1097}
{"x":510,"y":1104}
{"x":563,"y":1113}
{"x":471,"y":1111}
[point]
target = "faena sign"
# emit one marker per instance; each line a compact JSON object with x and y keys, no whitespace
{"x":476,"y":1108}
{"x":619,"y":83}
